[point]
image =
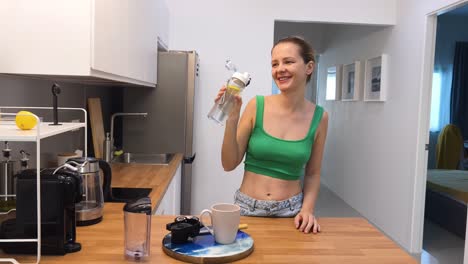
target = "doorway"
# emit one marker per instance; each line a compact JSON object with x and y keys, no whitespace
{"x":443,"y":211}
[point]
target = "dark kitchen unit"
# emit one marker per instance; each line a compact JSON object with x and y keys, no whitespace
{"x":168,"y":128}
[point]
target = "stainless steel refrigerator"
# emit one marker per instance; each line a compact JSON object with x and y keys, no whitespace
{"x":168,"y":128}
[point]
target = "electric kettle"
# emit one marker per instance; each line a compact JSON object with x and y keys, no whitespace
{"x":90,"y":210}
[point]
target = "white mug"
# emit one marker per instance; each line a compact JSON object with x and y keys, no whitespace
{"x":225,"y":219}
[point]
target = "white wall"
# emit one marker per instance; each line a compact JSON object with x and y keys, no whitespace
{"x":314,"y":33}
{"x":414,"y":24}
{"x":386,"y":180}
{"x":243,"y":31}
{"x":367,"y":158}
{"x":375,"y":151}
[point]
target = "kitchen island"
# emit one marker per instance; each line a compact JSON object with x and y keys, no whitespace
{"x":343,"y":240}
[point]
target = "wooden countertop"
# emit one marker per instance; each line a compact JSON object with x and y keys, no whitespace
{"x":343,"y":240}
{"x":156,"y":177}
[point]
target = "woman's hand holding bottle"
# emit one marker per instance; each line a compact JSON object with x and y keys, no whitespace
{"x":234,"y":113}
{"x":228,"y":101}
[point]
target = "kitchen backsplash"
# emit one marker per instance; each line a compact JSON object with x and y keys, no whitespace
{"x":23,"y":91}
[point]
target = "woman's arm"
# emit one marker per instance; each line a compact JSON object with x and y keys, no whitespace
{"x":237,"y":134}
{"x":305,"y":220}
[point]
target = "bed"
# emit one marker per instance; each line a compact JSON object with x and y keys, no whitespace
{"x":446,"y":199}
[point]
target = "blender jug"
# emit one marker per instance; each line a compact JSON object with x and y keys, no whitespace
{"x":137,"y":222}
{"x":89,"y":211}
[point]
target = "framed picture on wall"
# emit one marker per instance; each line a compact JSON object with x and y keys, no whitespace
{"x":351,"y":81}
{"x":333,"y":92}
{"x":375,"y":79}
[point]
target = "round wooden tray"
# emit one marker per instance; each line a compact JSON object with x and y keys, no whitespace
{"x":204,"y":249}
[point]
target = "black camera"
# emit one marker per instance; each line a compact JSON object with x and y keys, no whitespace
{"x":184,"y":227}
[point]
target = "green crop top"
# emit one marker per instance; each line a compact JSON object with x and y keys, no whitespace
{"x":275,"y":157}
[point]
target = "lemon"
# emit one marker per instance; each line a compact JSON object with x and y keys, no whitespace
{"x":25,"y":120}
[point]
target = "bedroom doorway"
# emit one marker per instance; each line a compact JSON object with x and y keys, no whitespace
{"x":444,"y":213}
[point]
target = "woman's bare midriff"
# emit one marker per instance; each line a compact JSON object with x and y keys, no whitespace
{"x":263,"y":187}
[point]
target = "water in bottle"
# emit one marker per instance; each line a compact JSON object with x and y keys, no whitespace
{"x":235,"y":85}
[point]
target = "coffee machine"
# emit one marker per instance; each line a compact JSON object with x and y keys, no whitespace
{"x":61,"y":189}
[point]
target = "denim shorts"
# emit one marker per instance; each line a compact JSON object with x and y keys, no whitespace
{"x":253,"y":207}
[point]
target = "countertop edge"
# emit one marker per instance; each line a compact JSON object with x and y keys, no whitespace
{"x":158,"y":193}
{"x":155,"y":176}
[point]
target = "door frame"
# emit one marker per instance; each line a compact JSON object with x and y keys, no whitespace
{"x":424,"y":111}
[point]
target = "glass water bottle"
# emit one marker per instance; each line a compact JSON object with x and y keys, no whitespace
{"x":235,"y":85}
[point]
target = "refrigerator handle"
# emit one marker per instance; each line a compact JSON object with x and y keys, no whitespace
{"x":189,"y":160}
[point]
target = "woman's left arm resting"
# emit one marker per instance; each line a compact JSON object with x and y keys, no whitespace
{"x":305,"y":220}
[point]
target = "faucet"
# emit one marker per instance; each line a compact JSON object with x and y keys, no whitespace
{"x":112,"y":129}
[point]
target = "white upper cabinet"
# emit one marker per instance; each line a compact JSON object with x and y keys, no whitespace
{"x":90,"y":40}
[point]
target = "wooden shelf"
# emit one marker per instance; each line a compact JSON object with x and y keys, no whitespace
{"x":10,"y":132}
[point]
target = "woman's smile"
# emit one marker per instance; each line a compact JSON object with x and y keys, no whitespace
{"x":284,"y":79}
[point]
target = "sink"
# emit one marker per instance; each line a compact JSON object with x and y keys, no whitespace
{"x":143,"y":158}
{"x":123,"y":195}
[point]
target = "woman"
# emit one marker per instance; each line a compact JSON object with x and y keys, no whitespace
{"x":283,"y":137}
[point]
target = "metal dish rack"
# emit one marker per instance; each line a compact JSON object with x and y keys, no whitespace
{"x":9,"y":132}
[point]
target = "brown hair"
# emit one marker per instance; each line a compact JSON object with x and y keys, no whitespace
{"x":305,"y":50}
